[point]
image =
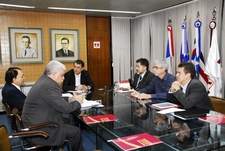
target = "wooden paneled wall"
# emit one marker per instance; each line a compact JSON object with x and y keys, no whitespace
{"x":99,"y":59}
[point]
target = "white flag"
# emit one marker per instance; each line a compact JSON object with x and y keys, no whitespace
{"x":213,"y":67}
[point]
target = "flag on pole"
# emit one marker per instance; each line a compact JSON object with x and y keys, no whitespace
{"x":213,"y":65}
{"x":169,"y":48}
{"x":184,"y":52}
{"x":197,"y":56}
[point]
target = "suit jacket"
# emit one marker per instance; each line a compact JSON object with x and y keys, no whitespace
{"x":31,"y":52}
{"x":69,"y":81}
{"x":195,"y":96}
{"x":13,"y":96}
{"x":145,"y":80}
{"x":45,"y":103}
{"x":60,"y":53}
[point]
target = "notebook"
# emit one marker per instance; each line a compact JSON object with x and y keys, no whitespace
{"x":190,"y":113}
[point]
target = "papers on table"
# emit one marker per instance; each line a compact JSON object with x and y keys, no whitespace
{"x":170,"y":110}
{"x":87,"y":104}
{"x":164,"y":105}
{"x":67,"y":95}
{"x":136,"y":141}
{"x":100,"y":118}
{"x":124,"y":91}
{"x":78,"y":91}
{"x":217,"y":119}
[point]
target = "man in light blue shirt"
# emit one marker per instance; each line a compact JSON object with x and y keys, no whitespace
{"x":160,"y":84}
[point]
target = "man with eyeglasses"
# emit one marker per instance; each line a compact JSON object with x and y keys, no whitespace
{"x":27,"y":50}
{"x":77,"y":78}
{"x":188,"y":90}
{"x":160,"y":84}
{"x":64,"y":51}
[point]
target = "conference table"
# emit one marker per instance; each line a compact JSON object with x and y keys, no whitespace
{"x":137,"y":116}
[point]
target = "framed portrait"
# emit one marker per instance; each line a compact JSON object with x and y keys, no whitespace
{"x":25,"y":45}
{"x":64,"y":45}
{"x":0,"y":54}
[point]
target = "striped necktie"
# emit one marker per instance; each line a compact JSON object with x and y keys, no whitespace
{"x":139,"y":82}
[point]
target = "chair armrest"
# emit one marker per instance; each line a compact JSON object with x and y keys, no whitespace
{"x":30,"y":134}
{"x":41,"y":125}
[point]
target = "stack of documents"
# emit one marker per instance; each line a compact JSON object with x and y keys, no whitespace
{"x":87,"y":104}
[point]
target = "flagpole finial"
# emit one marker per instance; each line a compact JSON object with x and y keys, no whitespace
{"x":198,"y":14}
{"x":185,"y":18}
{"x":169,"y":20}
{"x":214,"y":13}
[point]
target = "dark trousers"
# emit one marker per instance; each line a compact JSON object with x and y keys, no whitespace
{"x":74,"y":135}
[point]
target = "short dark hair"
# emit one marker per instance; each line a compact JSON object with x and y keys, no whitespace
{"x":143,"y":62}
{"x":10,"y":74}
{"x":188,"y":68}
{"x":79,"y":62}
{"x":26,"y":37}
{"x":64,"y":38}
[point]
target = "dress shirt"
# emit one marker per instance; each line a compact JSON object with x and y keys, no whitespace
{"x":184,"y":87}
{"x":17,"y":86}
{"x":160,"y":86}
{"x":77,"y":79}
{"x":140,"y":78}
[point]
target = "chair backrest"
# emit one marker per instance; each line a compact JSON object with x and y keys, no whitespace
{"x":8,"y":111}
{"x":218,"y":104}
{"x":17,"y":115}
{"x":4,"y":139}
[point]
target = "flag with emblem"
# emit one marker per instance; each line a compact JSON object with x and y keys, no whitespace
{"x":213,"y":64}
{"x":169,"y":48}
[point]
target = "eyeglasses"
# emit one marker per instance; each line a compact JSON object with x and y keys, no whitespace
{"x":64,"y":43}
{"x":155,"y":67}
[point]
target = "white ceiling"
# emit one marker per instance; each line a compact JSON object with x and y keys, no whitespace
{"x":143,"y":6}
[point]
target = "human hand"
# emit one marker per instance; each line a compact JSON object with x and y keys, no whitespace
{"x":79,"y":97}
{"x":135,"y":93}
{"x":81,"y":87}
{"x":175,"y":86}
{"x":143,"y":96}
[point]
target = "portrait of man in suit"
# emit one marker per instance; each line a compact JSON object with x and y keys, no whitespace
{"x":26,"y":50}
{"x":64,"y":51}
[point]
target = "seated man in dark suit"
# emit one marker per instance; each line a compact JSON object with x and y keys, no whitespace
{"x":188,"y":90}
{"x":77,"y":78}
{"x":64,"y":51}
{"x":143,"y":75}
{"x":11,"y":92}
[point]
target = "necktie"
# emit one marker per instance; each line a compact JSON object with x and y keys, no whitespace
{"x":25,"y":53}
{"x":65,"y":53}
{"x":139,"y":82}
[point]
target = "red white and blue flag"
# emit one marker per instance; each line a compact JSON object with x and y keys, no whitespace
{"x":213,"y":64}
{"x":184,"y":52}
{"x":197,"y":56}
{"x":170,"y":47}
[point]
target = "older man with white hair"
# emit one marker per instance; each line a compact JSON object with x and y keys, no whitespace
{"x":45,"y":103}
{"x":160,"y":84}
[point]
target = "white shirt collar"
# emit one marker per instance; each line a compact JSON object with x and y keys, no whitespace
{"x":16,"y":86}
{"x":184,"y":87}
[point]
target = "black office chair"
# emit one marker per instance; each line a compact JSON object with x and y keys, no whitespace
{"x":27,"y":145}
{"x":10,"y":115}
{"x":5,"y":144}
